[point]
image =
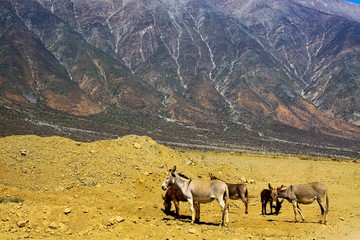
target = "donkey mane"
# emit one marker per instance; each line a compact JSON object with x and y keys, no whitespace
{"x":183,"y":176}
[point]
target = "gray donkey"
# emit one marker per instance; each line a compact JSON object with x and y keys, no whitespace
{"x":303,"y":194}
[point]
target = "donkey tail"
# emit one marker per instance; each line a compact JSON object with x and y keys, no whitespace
{"x":227,"y":198}
{"x":327,"y":203}
{"x":246,"y":194}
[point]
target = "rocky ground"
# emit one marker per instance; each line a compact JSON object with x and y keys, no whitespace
{"x":56,"y":188}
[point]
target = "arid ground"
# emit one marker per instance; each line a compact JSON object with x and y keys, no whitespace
{"x":56,"y":188}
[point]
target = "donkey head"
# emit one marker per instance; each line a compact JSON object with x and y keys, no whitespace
{"x":169,"y":178}
{"x":278,"y":206}
{"x":275,"y":195}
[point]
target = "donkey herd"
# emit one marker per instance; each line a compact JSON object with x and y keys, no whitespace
{"x":195,"y":191}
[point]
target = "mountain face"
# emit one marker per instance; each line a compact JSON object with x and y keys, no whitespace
{"x":212,"y":65}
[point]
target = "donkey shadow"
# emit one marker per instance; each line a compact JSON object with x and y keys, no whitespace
{"x":185,"y":218}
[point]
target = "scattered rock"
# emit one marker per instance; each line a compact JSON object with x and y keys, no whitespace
{"x":22,"y":223}
{"x":243,"y":179}
{"x":251,"y":181}
{"x":23,"y":153}
{"x":67,"y":211}
{"x":114,"y":220}
{"x":137,"y":145}
{"x":192,"y":230}
{"x":151,"y":141}
{"x":119,"y":219}
{"x":53,"y":225}
{"x":62,"y":227}
{"x":110,"y":222}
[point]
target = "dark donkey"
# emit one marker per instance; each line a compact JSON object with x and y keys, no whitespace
{"x":304,"y":194}
{"x":236,"y":191}
{"x":175,"y":195}
{"x":266,"y":198}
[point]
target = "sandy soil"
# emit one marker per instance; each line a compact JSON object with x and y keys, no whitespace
{"x":56,"y":188}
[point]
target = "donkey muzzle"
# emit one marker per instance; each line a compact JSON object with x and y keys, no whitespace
{"x":163,"y":187}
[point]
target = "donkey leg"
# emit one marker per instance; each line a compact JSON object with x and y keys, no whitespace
{"x":245,"y":201}
{"x":177,"y":209}
{"x":295,"y":208}
{"x":323,"y":211}
{"x":227,"y":214}
{"x":299,"y":211}
{"x":191,"y":202}
{"x":197,"y":212}
{"x":263,"y":208}
{"x":224,"y":211}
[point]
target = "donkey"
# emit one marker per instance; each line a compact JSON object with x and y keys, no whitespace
{"x":175,"y":195}
{"x":304,"y":194}
{"x":265,"y":196}
{"x":200,"y":191}
{"x":236,"y":191}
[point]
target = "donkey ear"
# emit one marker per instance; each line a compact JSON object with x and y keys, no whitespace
{"x":174,"y":169}
{"x":270,"y":187}
{"x":279,"y":188}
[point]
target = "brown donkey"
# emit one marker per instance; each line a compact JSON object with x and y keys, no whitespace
{"x":303,"y":194}
{"x":236,"y":191}
{"x":266,"y":198}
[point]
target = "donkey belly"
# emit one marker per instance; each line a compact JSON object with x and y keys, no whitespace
{"x":203,"y":199}
{"x":306,"y":200}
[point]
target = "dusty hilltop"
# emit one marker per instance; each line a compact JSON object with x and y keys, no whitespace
{"x":56,"y":188}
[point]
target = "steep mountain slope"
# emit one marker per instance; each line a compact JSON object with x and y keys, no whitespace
{"x":213,"y":65}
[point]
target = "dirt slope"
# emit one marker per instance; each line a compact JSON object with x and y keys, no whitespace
{"x":111,"y":190}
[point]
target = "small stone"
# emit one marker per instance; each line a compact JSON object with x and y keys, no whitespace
{"x":251,"y":181}
{"x":111,"y":221}
{"x":141,"y":180}
{"x":119,"y":219}
{"x":22,"y":223}
{"x":151,"y":141}
{"x":67,"y":211}
{"x":62,"y":227}
{"x":192,"y":230}
{"x":137,"y":145}
{"x":53,"y":225}
{"x":23,"y":153}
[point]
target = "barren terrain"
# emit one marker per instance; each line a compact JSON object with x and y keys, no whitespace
{"x":56,"y":188}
